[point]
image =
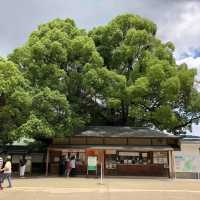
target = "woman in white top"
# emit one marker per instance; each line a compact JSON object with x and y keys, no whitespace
{"x":7,"y":170}
{"x":73,"y":165}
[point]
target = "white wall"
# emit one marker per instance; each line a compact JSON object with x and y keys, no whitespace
{"x":191,"y":147}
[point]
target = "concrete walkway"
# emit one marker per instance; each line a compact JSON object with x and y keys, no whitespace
{"x":112,"y":189}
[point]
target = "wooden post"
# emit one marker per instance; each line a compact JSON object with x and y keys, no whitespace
{"x":47,"y":162}
{"x":103,"y":164}
{"x":173,"y":165}
{"x":170,"y":164}
{"x":101,"y":173}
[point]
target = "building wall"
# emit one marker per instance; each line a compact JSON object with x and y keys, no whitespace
{"x":192,"y":147}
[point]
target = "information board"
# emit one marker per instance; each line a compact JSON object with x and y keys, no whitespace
{"x":92,"y":163}
{"x":187,"y":162}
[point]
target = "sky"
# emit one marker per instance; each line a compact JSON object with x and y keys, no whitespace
{"x":177,"y":21}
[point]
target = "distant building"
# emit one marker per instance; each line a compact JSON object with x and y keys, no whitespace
{"x":35,"y":155}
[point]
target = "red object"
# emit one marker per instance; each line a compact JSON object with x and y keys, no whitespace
{"x":91,"y":152}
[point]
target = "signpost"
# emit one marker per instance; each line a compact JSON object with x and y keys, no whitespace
{"x":101,"y":174}
{"x":92,"y":164}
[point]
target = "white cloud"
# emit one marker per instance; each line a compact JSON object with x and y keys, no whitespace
{"x":192,"y":63}
{"x":181,"y":26}
{"x":196,"y":129}
{"x":177,"y":20}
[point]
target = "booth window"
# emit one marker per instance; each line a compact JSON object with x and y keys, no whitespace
{"x":129,"y":158}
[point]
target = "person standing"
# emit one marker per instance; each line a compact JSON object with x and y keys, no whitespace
{"x":7,"y":170}
{"x":68,"y":167}
{"x":73,"y":166}
{"x":22,"y":163}
{"x":1,"y":172}
{"x":62,"y":166}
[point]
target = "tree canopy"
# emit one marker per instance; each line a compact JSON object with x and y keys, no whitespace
{"x":64,"y":78}
{"x":14,"y":100}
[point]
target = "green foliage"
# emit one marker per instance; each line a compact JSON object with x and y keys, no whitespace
{"x":128,"y":21}
{"x":157,"y":93}
{"x":15,"y":100}
{"x":104,"y":82}
{"x":138,"y":90}
{"x":10,"y":77}
{"x":65,"y":78}
{"x":36,"y":128}
{"x":53,"y":108}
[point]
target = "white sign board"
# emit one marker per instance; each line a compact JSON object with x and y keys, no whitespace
{"x":110,"y":151}
{"x":187,"y":162}
{"x":128,"y":153}
{"x":92,"y":163}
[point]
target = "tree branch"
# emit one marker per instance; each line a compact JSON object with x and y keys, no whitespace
{"x":186,"y":123}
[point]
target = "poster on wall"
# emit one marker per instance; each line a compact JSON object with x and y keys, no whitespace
{"x":187,"y":162}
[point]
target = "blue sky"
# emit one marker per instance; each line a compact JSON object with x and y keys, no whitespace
{"x":177,"y":20}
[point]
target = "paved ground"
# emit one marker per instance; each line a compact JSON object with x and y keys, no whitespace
{"x":91,"y":189}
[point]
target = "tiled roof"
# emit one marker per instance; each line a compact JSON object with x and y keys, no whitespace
{"x":123,"y":131}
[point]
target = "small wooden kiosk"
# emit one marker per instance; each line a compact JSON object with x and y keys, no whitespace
{"x":123,"y":151}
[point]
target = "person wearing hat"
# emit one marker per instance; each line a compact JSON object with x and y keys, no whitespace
{"x":1,"y":166}
{"x":7,"y":170}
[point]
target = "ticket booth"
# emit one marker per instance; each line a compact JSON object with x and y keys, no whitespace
{"x":121,"y":151}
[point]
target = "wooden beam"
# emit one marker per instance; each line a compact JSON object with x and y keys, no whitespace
{"x":70,"y":140}
{"x":103,"y":141}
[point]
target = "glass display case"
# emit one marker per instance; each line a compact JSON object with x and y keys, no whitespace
{"x":134,"y":158}
{"x":161,"y":158}
{"x":111,"y":161}
{"x":136,"y":163}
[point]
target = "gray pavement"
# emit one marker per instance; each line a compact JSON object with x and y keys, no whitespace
{"x":91,"y":189}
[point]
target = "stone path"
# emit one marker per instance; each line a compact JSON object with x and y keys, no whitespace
{"x":91,"y":189}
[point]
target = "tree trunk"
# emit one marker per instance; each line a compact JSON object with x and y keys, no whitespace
{"x":124,"y":117}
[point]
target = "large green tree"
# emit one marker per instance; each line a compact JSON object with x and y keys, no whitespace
{"x":117,"y":74}
{"x":15,"y":100}
{"x":53,"y":61}
{"x":157,"y":93}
